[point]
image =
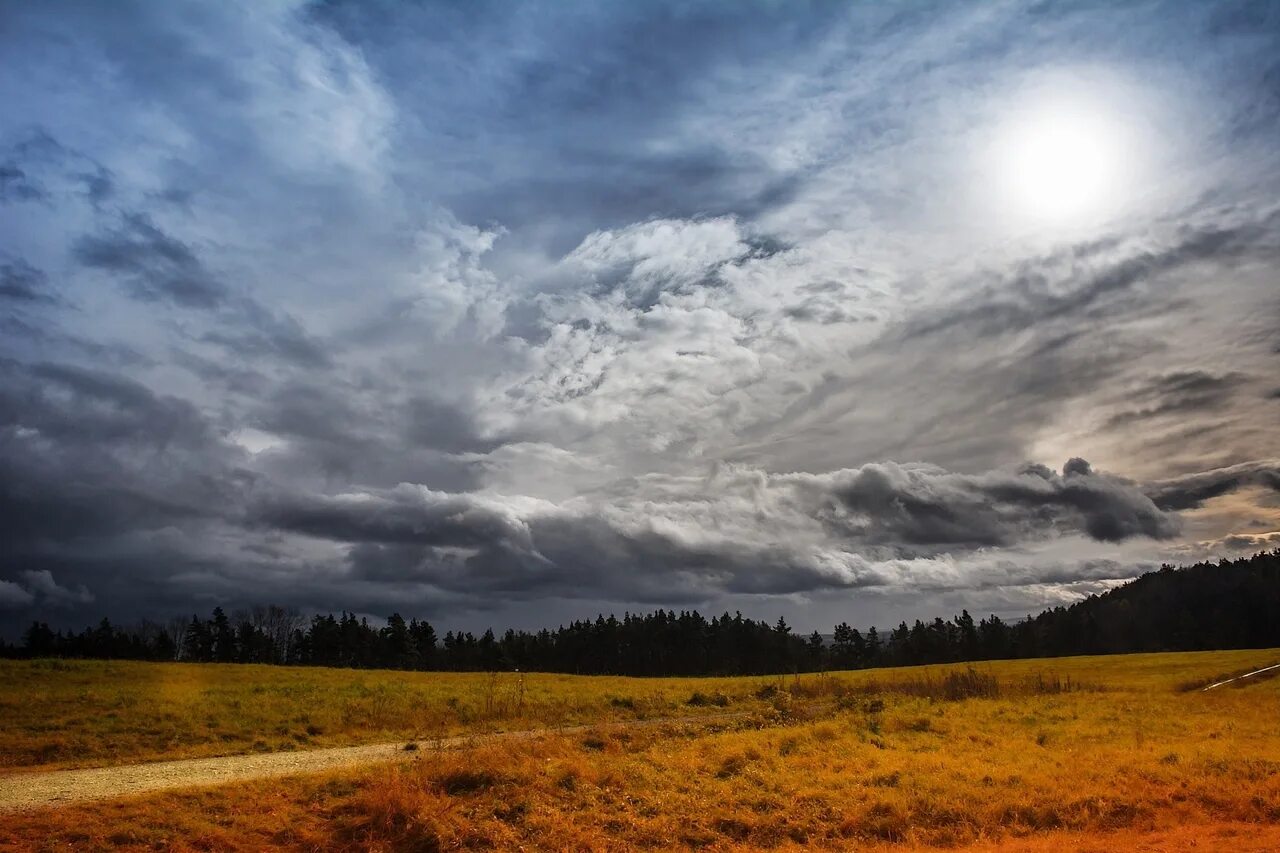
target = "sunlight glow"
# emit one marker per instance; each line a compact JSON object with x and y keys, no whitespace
{"x":1062,"y":160}
{"x":1061,"y":165}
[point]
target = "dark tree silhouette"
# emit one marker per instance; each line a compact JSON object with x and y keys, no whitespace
{"x":1222,"y":605}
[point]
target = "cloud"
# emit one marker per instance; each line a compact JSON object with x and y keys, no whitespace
{"x":404,"y":515}
{"x":1193,"y":490}
{"x":13,"y":595}
{"x":38,"y":167}
{"x":156,"y":266}
{"x":649,"y":259}
{"x":21,"y":282}
{"x":40,"y":589}
{"x":41,"y":583}
{"x":258,"y":334}
{"x":741,"y":531}
{"x":1178,"y":393}
{"x":87,"y":455}
{"x":1084,"y":279}
{"x":67,"y":402}
{"x":926,"y":505}
{"x":1248,"y":542}
{"x":15,"y":185}
{"x":405,"y":308}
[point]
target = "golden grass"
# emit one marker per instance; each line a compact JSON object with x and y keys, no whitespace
{"x":1131,"y":763}
{"x":91,"y":713}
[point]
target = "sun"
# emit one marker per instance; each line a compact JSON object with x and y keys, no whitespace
{"x":1061,"y":160}
{"x":1061,"y":165}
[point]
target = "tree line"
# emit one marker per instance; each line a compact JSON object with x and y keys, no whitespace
{"x":1222,"y":605}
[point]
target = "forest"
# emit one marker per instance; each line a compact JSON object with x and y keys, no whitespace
{"x":1210,"y":605}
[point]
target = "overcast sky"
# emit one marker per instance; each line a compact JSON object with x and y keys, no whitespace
{"x":507,"y":313}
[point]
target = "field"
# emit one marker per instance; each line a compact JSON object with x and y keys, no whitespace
{"x":1075,"y":753}
{"x":92,"y":713}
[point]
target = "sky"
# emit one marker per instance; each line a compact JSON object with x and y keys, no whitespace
{"x":512,"y":313}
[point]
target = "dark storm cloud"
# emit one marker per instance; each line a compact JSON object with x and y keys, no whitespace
{"x":233,"y":379}
{"x":37,"y":165}
{"x":13,"y":594}
{"x":21,"y":282}
{"x":443,"y":426}
{"x":1192,"y":490}
{"x":405,"y":515}
{"x":46,"y":336}
{"x":483,"y":552}
{"x":99,"y":185}
{"x":257,"y":334}
{"x":96,"y":473}
{"x":15,"y":185}
{"x":40,"y":586}
{"x":1179,"y":393}
{"x":624,"y":549}
{"x":334,"y":414}
{"x":320,"y":425}
{"x":314,"y":411}
{"x":66,"y":402}
{"x":155,"y":266}
{"x":86,"y":454}
{"x":927,"y":506}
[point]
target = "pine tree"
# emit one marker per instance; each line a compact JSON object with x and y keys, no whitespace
{"x":815,"y":650}
{"x":224,"y":639}
{"x":38,"y":641}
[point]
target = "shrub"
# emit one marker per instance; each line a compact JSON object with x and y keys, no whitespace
{"x":767,"y":691}
{"x":460,"y":780}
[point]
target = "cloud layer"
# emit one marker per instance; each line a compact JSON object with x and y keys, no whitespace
{"x":503,"y":312}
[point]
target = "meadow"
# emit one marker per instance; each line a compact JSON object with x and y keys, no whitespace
{"x":1106,"y":753}
{"x":79,"y":713}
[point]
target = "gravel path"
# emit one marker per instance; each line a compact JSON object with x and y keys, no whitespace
{"x":26,"y":791}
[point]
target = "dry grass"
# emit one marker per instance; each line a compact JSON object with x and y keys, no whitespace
{"x":92,"y":713}
{"x":1038,"y":766}
{"x":87,"y":713}
{"x":1235,"y":677}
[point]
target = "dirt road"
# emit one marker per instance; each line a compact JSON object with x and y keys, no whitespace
{"x":25,"y":791}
